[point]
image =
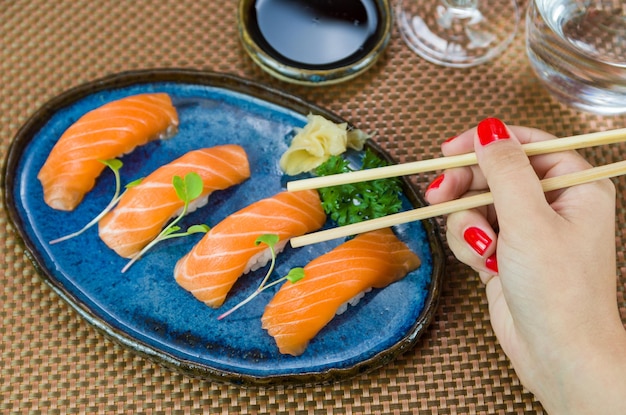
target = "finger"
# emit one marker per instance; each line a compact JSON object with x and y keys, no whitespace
{"x":558,"y":164}
{"x":517,"y":185}
{"x":471,"y":177}
{"x":552,"y":164}
{"x":464,"y":142}
{"x":473,"y":241}
{"x":453,"y":183}
{"x":461,"y":179}
{"x":516,"y":189}
{"x":459,"y":144}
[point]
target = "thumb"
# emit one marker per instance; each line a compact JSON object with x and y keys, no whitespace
{"x":515,"y":187}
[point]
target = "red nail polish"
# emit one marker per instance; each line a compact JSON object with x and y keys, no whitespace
{"x":490,"y":130}
{"x":477,"y":239}
{"x":435,"y":183}
{"x":450,"y":139}
{"x":492,"y":263}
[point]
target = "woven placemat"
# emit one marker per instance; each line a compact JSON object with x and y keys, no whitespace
{"x":55,"y":363}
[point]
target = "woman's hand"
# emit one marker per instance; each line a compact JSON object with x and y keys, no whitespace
{"x":548,"y":262}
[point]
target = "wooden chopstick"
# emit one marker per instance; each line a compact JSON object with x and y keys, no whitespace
{"x":483,"y":199}
{"x":468,"y":159}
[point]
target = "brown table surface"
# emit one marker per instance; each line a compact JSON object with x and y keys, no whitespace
{"x":53,"y":362}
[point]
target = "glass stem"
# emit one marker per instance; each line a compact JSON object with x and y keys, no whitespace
{"x":461,"y":4}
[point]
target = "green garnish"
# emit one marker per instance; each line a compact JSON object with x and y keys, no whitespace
{"x":115,"y":165}
{"x":187,"y":189}
{"x":356,"y":202}
{"x":294,"y":275}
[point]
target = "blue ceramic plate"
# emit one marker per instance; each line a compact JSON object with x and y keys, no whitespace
{"x":144,"y":308}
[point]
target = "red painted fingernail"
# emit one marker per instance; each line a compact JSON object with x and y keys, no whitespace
{"x":492,"y":263}
{"x":490,"y":130}
{"x":435,"y":183}
{"x":450,"y":139}
{"x":477,"y":239}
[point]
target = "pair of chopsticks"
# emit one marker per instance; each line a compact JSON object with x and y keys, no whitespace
{"x":531,"y":149}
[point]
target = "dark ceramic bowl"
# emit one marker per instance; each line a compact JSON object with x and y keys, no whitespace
{"x":290,"y":40}
{"x":144,"y":309}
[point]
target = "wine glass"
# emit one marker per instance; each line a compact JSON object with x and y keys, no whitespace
{"x":457,"y":33}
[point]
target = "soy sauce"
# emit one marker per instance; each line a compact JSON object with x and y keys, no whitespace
{"x":315,"y":34}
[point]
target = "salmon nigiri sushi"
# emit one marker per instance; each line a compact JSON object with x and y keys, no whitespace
{"x":300,"y":310}
{"x":104,"y":133}
{"x":144,"y":209}
{"x":228,"y":250}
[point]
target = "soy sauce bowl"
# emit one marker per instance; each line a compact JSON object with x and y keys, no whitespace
{"x":314,"y":42}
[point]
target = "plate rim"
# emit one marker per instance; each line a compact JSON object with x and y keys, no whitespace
{"x":234,"y":83}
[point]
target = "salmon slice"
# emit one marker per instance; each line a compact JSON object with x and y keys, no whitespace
{"x":144,"y":209}
{"x":228,"y":250}
{"x":104,"y":133}
{"x":300,"y":310}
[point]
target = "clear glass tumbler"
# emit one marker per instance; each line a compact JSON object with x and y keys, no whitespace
{"x":578,"y":49}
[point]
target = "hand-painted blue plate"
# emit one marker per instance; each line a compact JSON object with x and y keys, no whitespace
{"x":144,"y":308}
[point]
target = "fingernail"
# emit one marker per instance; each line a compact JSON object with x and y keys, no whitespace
{"x":450,"y":139}
{"x":492,"y":263}
{"x":477,"y":239}
{"x":490,"y":130}
{"x":435,"y":183}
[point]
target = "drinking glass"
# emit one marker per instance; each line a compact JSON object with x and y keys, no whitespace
{"x":577,"y":48}
{"x":457,"y":33}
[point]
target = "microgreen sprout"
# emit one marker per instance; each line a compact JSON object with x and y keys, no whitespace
{"x":294,"y":275}
{"x":115,"y":165}
{"x":187,"y":189}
